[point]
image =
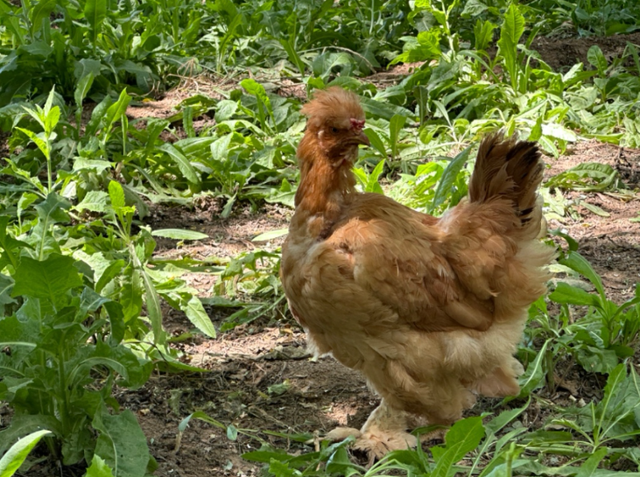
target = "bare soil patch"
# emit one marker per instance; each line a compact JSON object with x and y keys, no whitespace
{"x":562,"y":54}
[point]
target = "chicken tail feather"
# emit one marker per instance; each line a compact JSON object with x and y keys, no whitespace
{"x":512,"y":170}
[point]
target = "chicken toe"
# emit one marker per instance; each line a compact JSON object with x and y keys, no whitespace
{"x":341,"y":433}
{"x":385,"y":431}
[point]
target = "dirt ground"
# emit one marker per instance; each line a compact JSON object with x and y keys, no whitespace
{"x":260,"y":377}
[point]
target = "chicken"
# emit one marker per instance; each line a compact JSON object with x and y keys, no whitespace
{"x":429,"y":309}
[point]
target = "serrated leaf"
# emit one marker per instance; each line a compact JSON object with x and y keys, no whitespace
{"x":98,"y":468}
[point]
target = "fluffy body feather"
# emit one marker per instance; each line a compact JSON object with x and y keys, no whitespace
{"x":429,"y":309}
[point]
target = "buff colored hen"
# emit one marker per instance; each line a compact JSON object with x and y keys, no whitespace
{"x":429,"y":309}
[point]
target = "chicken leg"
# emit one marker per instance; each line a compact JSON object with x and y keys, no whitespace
{"x":384,"y":431}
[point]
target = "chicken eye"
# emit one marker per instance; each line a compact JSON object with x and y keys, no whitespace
{"x":334,"y":130}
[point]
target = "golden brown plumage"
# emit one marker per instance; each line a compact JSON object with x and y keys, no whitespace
{"x":430,"y":310}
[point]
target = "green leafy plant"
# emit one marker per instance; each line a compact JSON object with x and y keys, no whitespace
{"x":66,"y":355}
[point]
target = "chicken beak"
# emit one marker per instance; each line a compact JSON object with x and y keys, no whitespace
{"x":363,"y":139}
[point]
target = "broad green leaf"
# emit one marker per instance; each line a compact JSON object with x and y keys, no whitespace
{"x":131,"y":293}
{"x":18,"y":452}
{"x":94,"y":201}
{"x":187,"y":121}
{"x":589,"y":176}
{"x":179,"y":234}
{"x":536,"y":130}
{"x":220,"y":148}
{"x":594,"y":209}
{"x":256,"y":89}
{"x":121,"y":443}
{"x":86,"y":67}
{"x":375,"y":141}
{"x":577,"y":262}
{"x":378,"y":109}
{"x":558,"y":131}
{"x":594,"y":359}
{"x":590,"y":466}
{"x":186,"y":168}
{"x":225,"y":109}
{"x":38,"y":141}
{"x":83,"y":87}
{"x":116,"y":110}
{"x":510,"y":33}
{"x":6,"y":284}
{"x":40,"y":12}
{"x":49,"y":279}
{"x":53,"y":209}
{"x":597,"y":59}
{"x":116,"y":194}
{"x":199,"y":317}
{"x":24,"y":424}
{"x":571,"y":295}
{"x":463,"y":437}
{"x":329,"y":62}
{"x":51,"y":120}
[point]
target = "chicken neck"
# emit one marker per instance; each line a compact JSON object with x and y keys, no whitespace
{"x":326,"y":186}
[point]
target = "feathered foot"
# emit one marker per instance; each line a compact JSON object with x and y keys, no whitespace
{"x":384,"y":431}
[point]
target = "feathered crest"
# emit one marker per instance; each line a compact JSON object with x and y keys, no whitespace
{"x":333,"y":106}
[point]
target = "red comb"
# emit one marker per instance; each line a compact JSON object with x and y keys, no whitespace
{"x":357,"y":124}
